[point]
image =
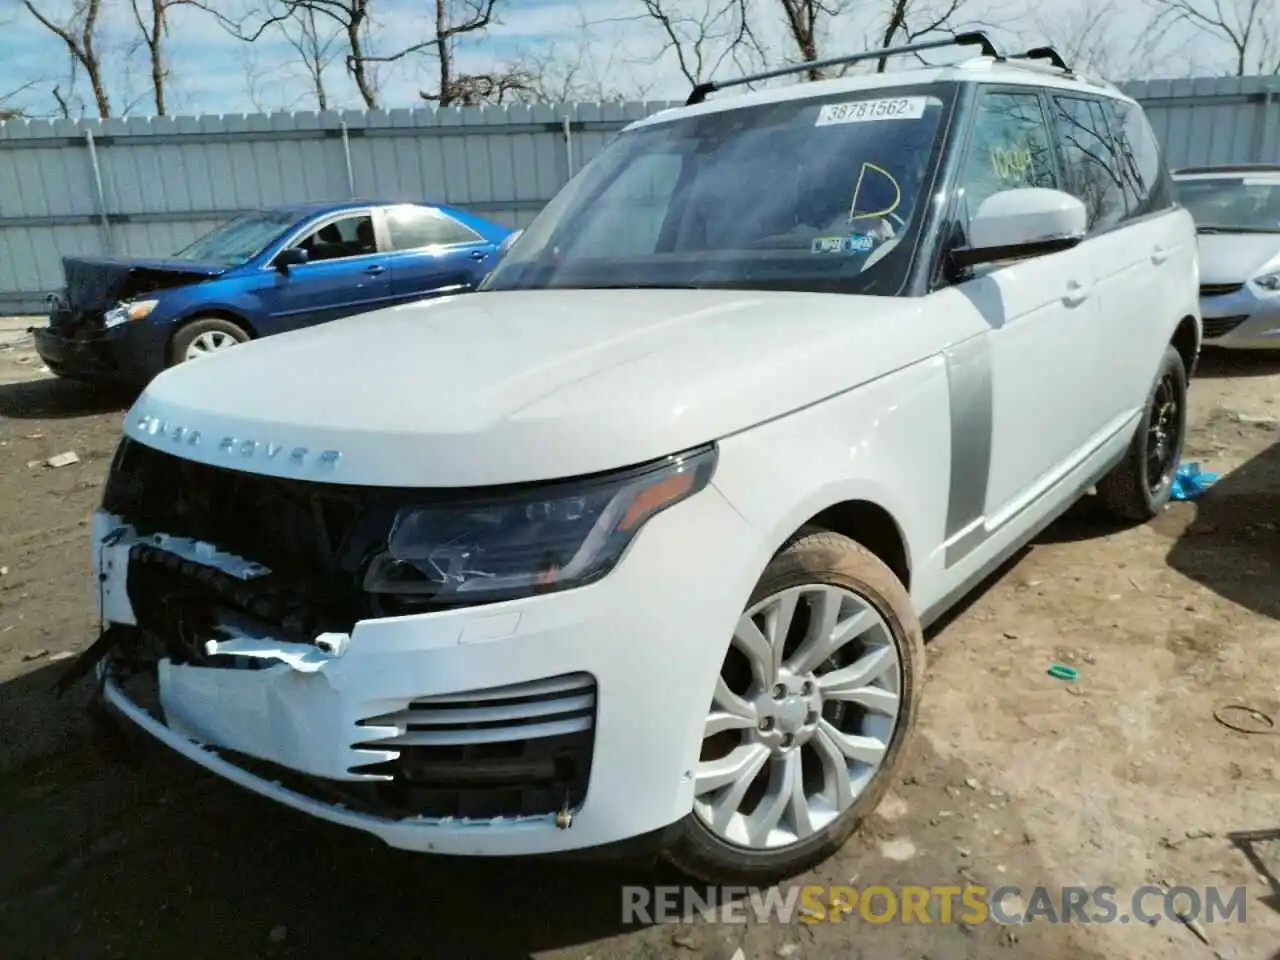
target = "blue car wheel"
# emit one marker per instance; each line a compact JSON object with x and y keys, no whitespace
{"x":203,"y":337}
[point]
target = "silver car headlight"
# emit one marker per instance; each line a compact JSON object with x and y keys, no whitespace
{"x":534,"y":539}
{"x":124,"y":312}
{"x":1270,"y":282}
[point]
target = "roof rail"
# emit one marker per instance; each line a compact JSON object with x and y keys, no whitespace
{"x":1042,"y":53}
{"x":1232,"y":168}
{"x":975,"y":38}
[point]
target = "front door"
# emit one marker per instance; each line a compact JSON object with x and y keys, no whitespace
{"x":345,"y":273}
{"x":1021,"y":388}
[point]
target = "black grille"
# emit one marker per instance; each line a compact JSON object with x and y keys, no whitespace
{"x":1221,"y":326}
{"x":1219,"y":289}
{"x":520,"y":750}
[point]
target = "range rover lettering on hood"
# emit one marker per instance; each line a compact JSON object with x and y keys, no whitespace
{"x":178,"y":433}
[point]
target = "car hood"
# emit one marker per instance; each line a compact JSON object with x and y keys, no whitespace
{"x":1236,"y":257}
{"x":99,"y":282}
{"x":514,"y":386}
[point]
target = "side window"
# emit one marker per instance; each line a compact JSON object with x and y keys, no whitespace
{"x":347,"y":237}
{"x":413,"y":227}
{"x":1093,"y":170}
{"x":1010,"y":148}
{"x":1146,"y":183}
{"x":627,"y":217}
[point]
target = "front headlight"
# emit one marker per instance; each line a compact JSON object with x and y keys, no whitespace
{"x":533,"y":540}
{"x":124,"y":312}
{"x":1269,"y":282}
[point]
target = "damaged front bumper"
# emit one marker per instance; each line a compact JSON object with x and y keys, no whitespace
{"x":485,"y":730}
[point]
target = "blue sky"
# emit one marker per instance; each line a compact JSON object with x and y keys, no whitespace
{"x":617,"y":50}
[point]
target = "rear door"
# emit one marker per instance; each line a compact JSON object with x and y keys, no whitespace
{"x":345,"y":273}
{"x":432,"y":253}
{"x":1113,"y":166}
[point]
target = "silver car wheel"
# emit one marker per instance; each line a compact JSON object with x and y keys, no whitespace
{"x":209,"y":342}
{"x":786,"y":752}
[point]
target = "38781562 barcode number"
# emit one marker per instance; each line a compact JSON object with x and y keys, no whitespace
{"x":863,"y":111}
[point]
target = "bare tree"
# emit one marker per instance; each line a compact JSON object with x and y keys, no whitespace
{"x":313,"y":27}
{"x":911,"y":21}
{"x":78,"y":32}
{"x":805,"y":21}
{"x":703,"y":34}
{"x":9,"y":110}
{"x":1088,"y":40}
{"x":152,"y":18}
{"x":1251,"y":28}
{"x":316,"y":43}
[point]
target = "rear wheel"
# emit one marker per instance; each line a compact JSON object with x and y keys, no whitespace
{"x":810,"y":718}
{"x":203,"y":337}
{"x":1139,"y":486}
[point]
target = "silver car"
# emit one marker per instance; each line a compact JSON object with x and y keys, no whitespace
{"x":1237,"y":214}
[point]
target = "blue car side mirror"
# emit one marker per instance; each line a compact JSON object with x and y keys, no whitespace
{"x":291,"y":257}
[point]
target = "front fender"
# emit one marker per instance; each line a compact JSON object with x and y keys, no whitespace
{"x":887,"y":443}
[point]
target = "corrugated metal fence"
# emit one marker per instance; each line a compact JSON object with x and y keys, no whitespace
{"x":148,"y":186}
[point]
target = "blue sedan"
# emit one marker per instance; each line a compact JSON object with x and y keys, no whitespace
{"x":267,"y":272}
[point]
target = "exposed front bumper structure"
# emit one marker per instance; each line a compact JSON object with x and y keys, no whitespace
{"x":552,"y":723}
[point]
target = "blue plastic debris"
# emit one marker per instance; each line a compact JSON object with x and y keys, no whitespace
{"x":1189,"y":482}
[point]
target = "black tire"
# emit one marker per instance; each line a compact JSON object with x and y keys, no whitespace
{"x":819,"y":557}
{"x":1138,"y":487}
{"x":189,"y":332}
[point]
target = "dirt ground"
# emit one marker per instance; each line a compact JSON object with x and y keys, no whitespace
{"x":1122,"y":777}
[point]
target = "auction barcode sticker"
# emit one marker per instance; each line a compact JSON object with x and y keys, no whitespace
{"x":863,"y":111}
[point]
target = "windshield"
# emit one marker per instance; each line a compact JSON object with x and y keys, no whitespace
{"x":1237,"y":204}
{"x":240,"y":240}
{"x":816,"y":194}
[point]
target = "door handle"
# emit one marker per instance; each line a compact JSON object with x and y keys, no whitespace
{"x":375,"y":270}
{"x":478,"y":254}
{"x":1075,"y":295}
{"x":1159,"y":255}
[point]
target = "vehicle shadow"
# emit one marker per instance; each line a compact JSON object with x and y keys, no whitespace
{"x":102,"y":818}
{"x":1223,"y":364}
{"x":117,"y":848}
{"x":1229,"y":538}
{"x":55,"y":399}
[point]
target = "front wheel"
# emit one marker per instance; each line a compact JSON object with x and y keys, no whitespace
{"x":204,"y":337}
{"x":1140,"y":485}
{"x":810,"y":718}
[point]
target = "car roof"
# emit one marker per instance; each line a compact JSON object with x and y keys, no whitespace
{"x":975,"y":70}
{"x":319,"y":207}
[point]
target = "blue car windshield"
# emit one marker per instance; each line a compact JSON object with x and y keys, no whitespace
{"x":240,"y":240}
{"x":1234,"y":204}
{"x":821,"y":194}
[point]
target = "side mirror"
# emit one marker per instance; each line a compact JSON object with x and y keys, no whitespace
{"x":1022,"y":223}
{"x":508,"y":242}
{"x":290,"y":257}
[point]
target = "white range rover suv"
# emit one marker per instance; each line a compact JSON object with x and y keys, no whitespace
{"x":637,"y":543}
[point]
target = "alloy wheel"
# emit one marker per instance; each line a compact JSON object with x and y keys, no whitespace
{"x":803,"y":715}
{"x":1163,"y":427}
{"x":211,"y":341}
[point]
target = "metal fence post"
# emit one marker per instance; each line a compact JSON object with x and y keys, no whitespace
{"x":346,"y":154}
{"x":567,"y":127}
{"x":101,"y":194}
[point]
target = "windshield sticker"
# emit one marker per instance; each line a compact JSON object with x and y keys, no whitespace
{"x":879,"y":176}
{"x":864,"y":111}
{"x":856,"y":243}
